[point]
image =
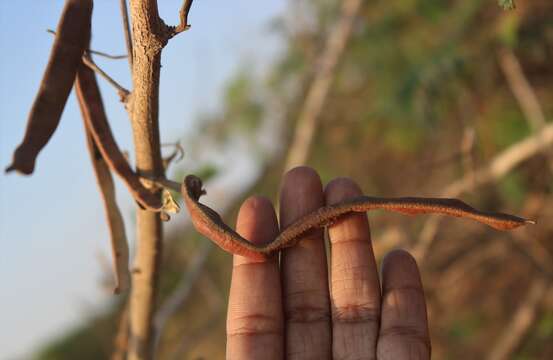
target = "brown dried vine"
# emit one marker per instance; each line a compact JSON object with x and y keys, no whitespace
{"x":119,"y":245}
{"x":96,"y":120}
{"x":72,"y":35}
{"x":210,"y":224}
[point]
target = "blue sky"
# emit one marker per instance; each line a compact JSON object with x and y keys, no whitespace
{"x":52,"y":224}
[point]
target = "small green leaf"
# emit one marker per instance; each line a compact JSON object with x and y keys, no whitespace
{"x":507,"y":4}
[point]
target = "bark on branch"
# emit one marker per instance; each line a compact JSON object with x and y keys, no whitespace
{"x":147,"y":30}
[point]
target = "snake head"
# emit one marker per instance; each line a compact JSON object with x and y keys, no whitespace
{"x":194,"y":187}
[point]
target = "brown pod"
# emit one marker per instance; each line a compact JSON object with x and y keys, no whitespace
{"x":96,"y":120}
{"x":209,"y":223}
{"x":72,"y":35}
{"x":119,"y":245}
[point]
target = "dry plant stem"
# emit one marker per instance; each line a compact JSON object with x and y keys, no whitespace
{"x":521,"y":322}
{"x":119,"y":245}
{"x":121,"y":342}
{"x":96,"y":121}
{"x":319,"y":89}
{"x":183,"y":16}
{"x":149,"y":35}
{"x":73,"y":33}
{"x":126,"y":30}
{"x":496,"y":169}
{"x":521,"y":88}
{"x":106,"y":55}
{"x":523,"y":93}
{"x":210,"y":224}
{"x":123,"y":93}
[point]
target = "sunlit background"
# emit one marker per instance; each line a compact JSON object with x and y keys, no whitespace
{"x":428,"y":98}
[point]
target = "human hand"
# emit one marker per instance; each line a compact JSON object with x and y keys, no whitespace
{"x":299,"y":309}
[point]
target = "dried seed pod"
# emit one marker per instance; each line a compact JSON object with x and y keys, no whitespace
{"x":96,"y":120}
{"x":210,"y":224}
{"x":72,"y":36}
{"x":119,"y":245}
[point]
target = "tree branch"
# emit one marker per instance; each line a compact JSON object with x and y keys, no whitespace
{"x":121,"y":341}
{"x":148,"y":40}
{"x":524,"y":94}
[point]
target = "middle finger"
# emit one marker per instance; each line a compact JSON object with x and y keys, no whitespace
{"x":304,"y":273}
{"x":355,"y":288}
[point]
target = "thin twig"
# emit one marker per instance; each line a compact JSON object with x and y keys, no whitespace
{"x":123,"y":93}
{"x":106,"y":55}
{"x":319,"y":89}
{"x":96,"y":52}
{"x":521,"y":322}
{"x":126,"y":30}
{"x":521,"y":88}
{"x":531,"y":246}
{"x":523,"y":93}
{"x":183,"y":16}
{"x":467,"y":147}
{"x":465,"y":266}
{"x":496,"y":169}
{"x":121,"y":341}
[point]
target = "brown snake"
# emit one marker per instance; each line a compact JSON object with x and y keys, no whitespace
{"x":209,"y":223}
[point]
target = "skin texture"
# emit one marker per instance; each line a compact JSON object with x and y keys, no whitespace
{"x":301,"y":310}
{"x":72,"y":35}
{"x":210,"y":224}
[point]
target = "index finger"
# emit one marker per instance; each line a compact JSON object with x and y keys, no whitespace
{"x":355,"y":288}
